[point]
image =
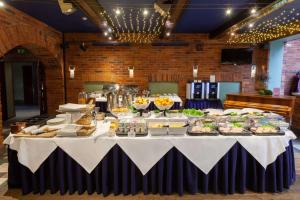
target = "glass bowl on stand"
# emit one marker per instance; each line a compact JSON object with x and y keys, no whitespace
{"x":141,"y":104}
{"x":163,"y":104}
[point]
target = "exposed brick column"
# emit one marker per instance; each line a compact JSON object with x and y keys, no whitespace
{"x":291,"y":65}
{"x":1,"y":137}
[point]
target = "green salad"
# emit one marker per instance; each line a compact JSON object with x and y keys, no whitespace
{"x":237,"y":125}
{"x":210,"y":125}
{"x":233,"y":114}
{"x":193,"y":112}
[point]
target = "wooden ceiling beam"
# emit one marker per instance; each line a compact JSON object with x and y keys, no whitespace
{"x":175,"y":14}
{"x":239,"y":18}
{"x":92,"y":9}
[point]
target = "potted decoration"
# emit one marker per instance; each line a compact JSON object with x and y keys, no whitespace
{"x":261,"y":80}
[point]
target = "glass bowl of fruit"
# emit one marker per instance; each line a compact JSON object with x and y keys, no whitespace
{"x":141,"y":104}
{"x":163,"y":103}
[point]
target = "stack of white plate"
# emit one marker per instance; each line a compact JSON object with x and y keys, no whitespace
{"x":56,"y":121}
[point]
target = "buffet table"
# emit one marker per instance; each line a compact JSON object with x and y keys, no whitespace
{"x":161,"y":164}
{"x":204,"y":104}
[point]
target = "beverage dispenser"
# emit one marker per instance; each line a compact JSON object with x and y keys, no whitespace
{"x":212,"y":90}
{"x":195,"y":90}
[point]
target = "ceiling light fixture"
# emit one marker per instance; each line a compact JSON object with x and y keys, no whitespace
{"x":110,"y":38}
{"x":109,"y":30}
{"x":84,"y":18}
{"x":253,"y":11}
{"x":70,"y":10}
{"x":104,"y":23}
{"x":228,"y":11}
{"x":105,"y":33}
{"x":1,"y":4}
{"x":232,"y":34}
{"x":146,"y":12}
{"x":168,"y":34}
{"x":251,"y":25}
{"x":118,"y":11}
{"x":169,"y":24}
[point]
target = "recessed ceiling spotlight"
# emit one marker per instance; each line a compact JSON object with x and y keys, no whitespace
{"x":232,"y":34}
{"x":169,"y":24}
{"x":84,"y":18}
{"x":105,"y":33}
{"x":118,"y":11}
{"x":68,"y":11}
{"x":109,"y":30}
{"x":110,"y":38}
{"x":104,"y":23}
{"x":251,"y":25}
{"x":168,"y":34}
{"x":288,"y":44}
{"x":1,"y":4}
{"x":228,"y":11}
{"x":253,"y":11}
{"x":145,"y":12}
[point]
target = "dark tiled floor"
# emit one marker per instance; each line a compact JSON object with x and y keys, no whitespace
{"x":22,"y":112}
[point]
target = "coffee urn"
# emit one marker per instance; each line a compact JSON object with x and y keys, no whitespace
{"x":212,"y":90}
{"x":195,"y":90}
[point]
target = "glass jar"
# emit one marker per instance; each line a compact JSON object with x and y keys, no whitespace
{"x":82,"y":97}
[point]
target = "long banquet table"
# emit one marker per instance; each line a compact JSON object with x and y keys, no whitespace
{"x":164,"y":165}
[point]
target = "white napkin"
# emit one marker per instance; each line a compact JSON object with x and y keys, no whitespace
{"x":69,"y":130}
{"x":72,"y":107}
{"x":29,"y":129}
{"x":102,"y":128}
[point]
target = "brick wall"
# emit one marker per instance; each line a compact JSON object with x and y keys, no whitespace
{"x":153,"y":63}
{"x":19,"y":29}
{"x":291,"y":65}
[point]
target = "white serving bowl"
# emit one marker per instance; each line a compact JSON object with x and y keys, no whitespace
{"x":140,"y":106}
{"x":164,"y":107}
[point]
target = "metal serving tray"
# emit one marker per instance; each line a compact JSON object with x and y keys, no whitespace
{"x":244,"y":133}
{"x":177,"y":131}
{"x":189,"y":132}
{"x":279,"y":133}
{"x":158,"y":131}
{"x":122,"y":134}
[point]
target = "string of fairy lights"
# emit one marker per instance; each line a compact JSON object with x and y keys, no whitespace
{"x":286,"y":22}
{"x":144,"y":25}
{"x":134,"y":25}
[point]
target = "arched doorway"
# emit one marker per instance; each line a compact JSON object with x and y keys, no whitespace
{"x":45,"y":46}
{"x":23,"y":88}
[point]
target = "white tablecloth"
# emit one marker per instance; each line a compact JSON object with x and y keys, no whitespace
{"x":145,"y":152}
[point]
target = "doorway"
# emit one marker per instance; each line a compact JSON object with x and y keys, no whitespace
{"x":22,"y":87}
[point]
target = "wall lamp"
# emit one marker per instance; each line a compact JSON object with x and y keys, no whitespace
{"x":72,"y":71}
{"x":195,"y":71}
{"x":83,"y":46}
{"x":131,"y":71}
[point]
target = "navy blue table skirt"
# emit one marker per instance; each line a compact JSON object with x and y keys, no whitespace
{"x":237,"y":171}
{"x":204,"y":104}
